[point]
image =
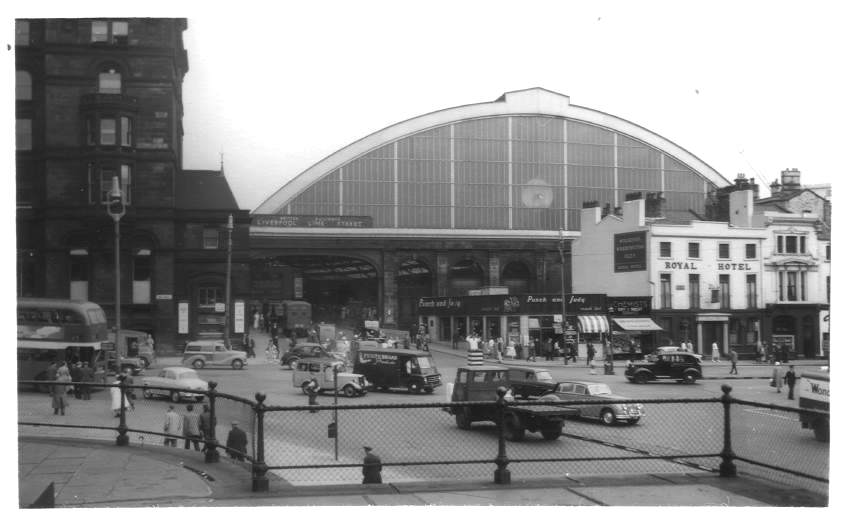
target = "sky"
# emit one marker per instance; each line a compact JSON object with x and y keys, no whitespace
{"x":749,"y":87}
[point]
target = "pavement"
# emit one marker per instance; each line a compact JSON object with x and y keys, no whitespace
{"x":87,"y":473}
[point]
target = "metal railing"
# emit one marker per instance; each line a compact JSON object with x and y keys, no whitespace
{"x":317,"y":444}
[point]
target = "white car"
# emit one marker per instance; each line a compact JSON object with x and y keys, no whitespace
{"x":172,"y":382}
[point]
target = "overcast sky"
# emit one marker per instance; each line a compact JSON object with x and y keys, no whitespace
{"x":747,"y":87}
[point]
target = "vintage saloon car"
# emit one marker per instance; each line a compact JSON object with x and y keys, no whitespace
{"x":301,"y":351}
{"x":172,"y":382}
{"x":609,"y":412}
{"x":202,"y":353}
{"x":676,"y":365}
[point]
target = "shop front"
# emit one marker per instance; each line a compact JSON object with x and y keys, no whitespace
{"x":632,"y":328}
{"x":793,"y":331}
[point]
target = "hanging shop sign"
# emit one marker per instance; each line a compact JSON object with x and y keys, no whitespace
{"x":629,"y":251}
{"x":515,"y":304}
{"x":629,"y":306}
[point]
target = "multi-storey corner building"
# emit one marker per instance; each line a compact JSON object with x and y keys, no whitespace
{"x":760,"y":276}
{"x":98,"y":99}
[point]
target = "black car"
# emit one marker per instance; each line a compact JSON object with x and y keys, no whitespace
{"x":303,"y":350}
{"x":679,"y":366}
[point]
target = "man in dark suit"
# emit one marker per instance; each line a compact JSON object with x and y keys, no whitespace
{"x":237,"y":442}
{"x":372,"y":467}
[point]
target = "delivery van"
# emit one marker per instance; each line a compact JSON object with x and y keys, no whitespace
{"x":387,"y":369}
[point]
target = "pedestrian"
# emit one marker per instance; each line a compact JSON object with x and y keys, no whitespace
{"x":191,"y":428}
{"x":532,"y":350}
{"x":312,"y":389}
{"x":455,"y":338}
{"x":172,"y":427}
{"x":714,"y":352}
{"x":426,"y":342}
{"x":690,"y":347}
{"x":271,"y":351}
{"x":87,"y":375}
{"x":58,"y":392}
{"x":761,"y":352}
{"x":733,"y":363}
{"x":592,"y":367}
{"x":510,"y":350}
{"x":548,"y":349}
{"x":790,"y":379}
{"x":115,"y":395}
{"x":372,"y":466}
{"x":63,"y":374}
{"x":76,"y":377}
{"x":128,"y":389}
{"x":237,"y":442}
{"x":590,"y":353}
{"x":777,"y":377}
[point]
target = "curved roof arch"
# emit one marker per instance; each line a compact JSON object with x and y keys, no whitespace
{"x":533,"y":101}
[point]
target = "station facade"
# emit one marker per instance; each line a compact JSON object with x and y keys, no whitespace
{"x":460,"y":200}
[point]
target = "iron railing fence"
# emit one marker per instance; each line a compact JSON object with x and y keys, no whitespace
{"x":310,"y":445}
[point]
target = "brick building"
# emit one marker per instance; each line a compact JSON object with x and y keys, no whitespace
{"x":98,"y":99}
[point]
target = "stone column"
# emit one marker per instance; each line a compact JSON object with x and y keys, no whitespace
{"x":725,"y":344}
{"x":390,"y":289}
{"x":441,"y":274}
{"x":698,"y":348}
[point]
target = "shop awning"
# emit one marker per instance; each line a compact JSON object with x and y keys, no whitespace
{"x":637,"y":324}
{"x":593,"y":324}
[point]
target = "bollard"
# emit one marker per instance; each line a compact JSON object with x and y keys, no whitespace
{"x":727,"y":469}
{"x":259,"y":480}
{"x":502,"y":475}
{"x":210,"y":450}
{"x":123,"y":439}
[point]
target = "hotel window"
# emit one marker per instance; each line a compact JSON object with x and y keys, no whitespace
{"x":23,"y":134}
{"x":724,"y":251}
{"x":78,"y":275}
{"x":693,"y":250}
{"x":666,"y":291}
{"x":725,"y":291}
{"x":22,"y":33}
{"x":108,"y":131}
{"x":113,"y":33}
{"x":109,"y":82}
{"x":211,"y":238}
{"x":791,"y":286}
{"x":751,"y":251}
{"x":790,"y":244}
{"x":23,"y":86}
{"x":694,"y":291}
{"x":666,"y":249}
{"x":142,"y":271}
{"x":751,"y":291}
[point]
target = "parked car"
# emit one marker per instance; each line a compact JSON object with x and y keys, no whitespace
{"x":348,"y":384}
{"x":608,"y":412}
{"x":676,"y":365}
{"x":303,"y":350}
{"x":202,"y":353}
{"x":134,"y":344}
{"x":172,"y":382}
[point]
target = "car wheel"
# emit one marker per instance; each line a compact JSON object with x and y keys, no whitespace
{"x":146,"y":393}
{"x":551,"y":433}
{"x":198,"y":364}
{"x":293,"y":363}
{"x":175,"y":396}
{"x":821,"y":431}
{"x":349,"y":391}
{"x":461,"y":417}
{"x":607,"y":417}
{"x":414,"y":387}
{"x":304,"y":387}
{"x":237,"y":364}
{"x":641,"y":378}
{"x":145,"y":362}
{"x":689,"y":378}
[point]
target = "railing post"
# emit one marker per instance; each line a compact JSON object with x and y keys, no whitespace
{"x":123,"y":439}
{"x":502,"y":475}
{"x":727,"y":469}
{"x":210,"y":444}
{"x":259,"y":481}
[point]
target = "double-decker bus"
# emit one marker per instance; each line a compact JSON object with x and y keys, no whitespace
{"x":55,"y":330}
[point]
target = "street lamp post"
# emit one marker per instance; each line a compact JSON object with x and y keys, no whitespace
{"x":561,"y":246}
{"x":115,"y":208}
{"x":227,"y":283}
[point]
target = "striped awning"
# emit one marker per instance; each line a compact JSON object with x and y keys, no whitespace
{"x":637,"y":324}
{"x":593,"y":324}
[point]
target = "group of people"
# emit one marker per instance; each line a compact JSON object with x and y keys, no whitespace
{"x":196,"y":427}
{"x":74,"y":375}
{"x":781,"y":377}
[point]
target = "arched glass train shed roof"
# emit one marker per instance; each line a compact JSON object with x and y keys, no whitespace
{"x":522,"y":164}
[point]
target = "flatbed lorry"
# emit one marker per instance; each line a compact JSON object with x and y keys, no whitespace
{"x":481,"y":383}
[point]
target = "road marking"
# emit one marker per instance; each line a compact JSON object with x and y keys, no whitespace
{"x":769,"y":413}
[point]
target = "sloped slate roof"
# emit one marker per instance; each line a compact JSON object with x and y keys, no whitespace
{"x":200,"y":189}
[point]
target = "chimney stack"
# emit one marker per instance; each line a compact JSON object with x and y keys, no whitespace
{"x":791,"y":179}
{"x":775,"y":188}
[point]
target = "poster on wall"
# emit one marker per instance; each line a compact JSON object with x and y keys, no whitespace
{"x":629,"y":251}
{"x":299,"y":287}
{"x":239,"y":317}
{"x":183,"y":317}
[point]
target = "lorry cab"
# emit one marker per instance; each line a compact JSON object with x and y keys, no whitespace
{"x":479,"y":383}
{"x":322,"y":370}
{"x":386,"y":369}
